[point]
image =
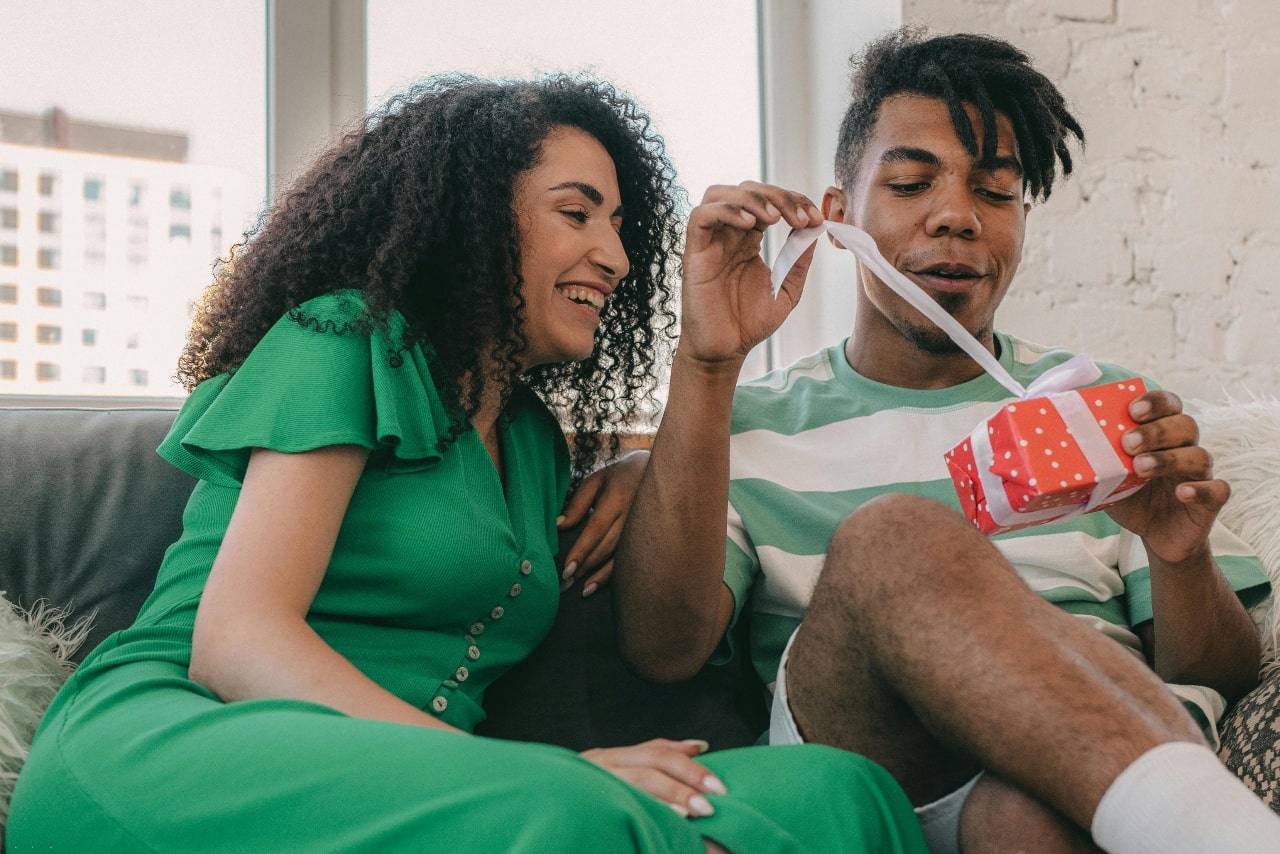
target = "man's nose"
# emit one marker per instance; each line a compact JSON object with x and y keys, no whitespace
{"x":953,"y":212}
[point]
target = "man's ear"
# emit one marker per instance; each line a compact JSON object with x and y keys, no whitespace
{"x":833,"y":208}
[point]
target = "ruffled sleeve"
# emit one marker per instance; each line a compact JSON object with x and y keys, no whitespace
{"x":308,"y":385}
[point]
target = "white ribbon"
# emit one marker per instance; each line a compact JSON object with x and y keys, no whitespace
{"x":1057,"y":383}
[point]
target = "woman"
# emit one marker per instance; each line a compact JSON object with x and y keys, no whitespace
{"x":372,"y":539}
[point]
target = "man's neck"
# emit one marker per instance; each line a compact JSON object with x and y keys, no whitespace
{"x":904,"y":364}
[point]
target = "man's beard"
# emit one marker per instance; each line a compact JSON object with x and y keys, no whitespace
{"x":933,"y":340}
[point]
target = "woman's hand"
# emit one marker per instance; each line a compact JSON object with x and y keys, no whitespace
{"x":727,"y":301}
{"x":606,"y":495}
{"x":666,"y":770}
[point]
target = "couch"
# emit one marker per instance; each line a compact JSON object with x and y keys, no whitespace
{"x":87,"y":509}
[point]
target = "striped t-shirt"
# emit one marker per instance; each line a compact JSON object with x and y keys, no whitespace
{"x":812,"y":442}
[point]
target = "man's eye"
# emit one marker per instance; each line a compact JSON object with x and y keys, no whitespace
{"x":578,"y":216}
{"x":909,"y":188}
{"x":997,"y":195}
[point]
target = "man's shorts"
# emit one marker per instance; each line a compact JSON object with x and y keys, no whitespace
{"x":940,"y":819}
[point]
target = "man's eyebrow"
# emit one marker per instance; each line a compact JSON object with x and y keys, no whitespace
{"x":912,"y":154}
{"x":593,"y":195}
{"x":1000,"y":162}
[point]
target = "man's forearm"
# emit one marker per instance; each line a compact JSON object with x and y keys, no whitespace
{"x":1202,"y":634}
{"x":669,"y":564}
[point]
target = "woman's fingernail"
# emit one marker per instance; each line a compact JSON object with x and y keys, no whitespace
{"x":697,"y":742}
{"x":565,"y":585}
{"x":700,"y":806}
{"x":680,"y":810}
{"x":589,"y":589}
{"x":569,"y":569}
{"x":712,"y":784}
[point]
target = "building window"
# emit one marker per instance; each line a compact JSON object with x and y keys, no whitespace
{"x":47,"y":184}
{"x":47,"y":259}
{"x":180,"y":230}
{"x":137,"y":194}
{"x":48,"y":222}
{"x":180,"y":197}
{"x":137,"y":302}
{"x":89,"y":337}
{"x":94,"y":374}
{"x":8,"y":217}
{"x":8,"y":369}
{"x":47,"y":334}
{"x":9,"y":293}
{"x":50,"y":297}
{"x":133,"y":340}
{"x":95,"y":299}
{"x":137,"y":376}
{"x":8,"y":180}
{"x":8,"y":330}
{"x":8,"y":255}
{"x":93,"y":189}
{"x":95,"y":260}
{"x":47,"y":372}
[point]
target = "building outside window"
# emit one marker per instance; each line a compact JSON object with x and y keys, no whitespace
{"x":94,"y":374}
{"x":89,"y":337}
{"x":8,"y":293}
{"x":137,"y":376}
{"x":95,"y":300}
{"x":47,"y":372}
{"x":93,"y":189}
{"x":8,"y":330}
{"x":180,"y":198}
{"x":48,"y":222}
{"x":8,"y":218}
{"x":49,"y":297}
{"x":47,"y":184}
{"x":8,"y":255}
{"x":48,"y":334}
{"x":47,"y":258}
{"x":8,"y":369}
{"x":8,"y":180}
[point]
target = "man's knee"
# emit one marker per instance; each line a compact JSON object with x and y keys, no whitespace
{"x":999,"y":817}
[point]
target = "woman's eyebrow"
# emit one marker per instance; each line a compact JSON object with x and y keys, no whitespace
{"x":593,"y":195}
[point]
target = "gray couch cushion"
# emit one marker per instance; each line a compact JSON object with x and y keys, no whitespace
{"x":88,"y":509}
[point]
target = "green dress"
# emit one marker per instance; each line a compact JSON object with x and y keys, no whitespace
{"x":439,"y":581}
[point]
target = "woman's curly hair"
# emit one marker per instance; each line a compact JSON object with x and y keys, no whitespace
{"x":415,"y":209}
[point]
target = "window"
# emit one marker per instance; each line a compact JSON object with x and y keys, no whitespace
{"x":8,"y":294}
{"x":48,"y":334}
{"x":180,"y":230}
{"x":133,"y":340}
{"x":180,"y":198}
{"x":47,"y":184}
{"x":94,"y":374}
{"x":8,"y":330}
{"x":8,"y":217}
{"x":47,"y":372}
{"x":50,"y":297}
{"x":8,"y":255}
{"x":93,"y":189}
{"x":137,"y":377}
{"x":89,"y":337}
{"x":48,"y":222}
{"x":8,"y":369}
{"x":137,"y":194}
{"x":95,"y":300}
{"x":8,"y":180}
{"x":137,"y":302}
{"x":47,"y":259}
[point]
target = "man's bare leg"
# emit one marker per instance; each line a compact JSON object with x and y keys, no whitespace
{"x":925,"y":651}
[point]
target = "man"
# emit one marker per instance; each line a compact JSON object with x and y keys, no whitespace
{"x":1010,"y":722}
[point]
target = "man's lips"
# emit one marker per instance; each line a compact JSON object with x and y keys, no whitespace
{"x":949,"y":278}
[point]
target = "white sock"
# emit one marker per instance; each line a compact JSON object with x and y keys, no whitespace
{"x":1178,"y":798}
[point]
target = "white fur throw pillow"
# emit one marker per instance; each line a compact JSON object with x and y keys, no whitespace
{"x":35,"y":651}
{"x":1244,"y":438}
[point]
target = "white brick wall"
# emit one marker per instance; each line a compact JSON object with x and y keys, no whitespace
{"x":1162,"y":252}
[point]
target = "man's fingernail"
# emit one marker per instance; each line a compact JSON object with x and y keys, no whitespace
{"x":589,"y":589}
{"x":700,"y":806}
{"x":1139,"y":408}
{"x":559,"y":520}
{"x":712,"y":784}
{"x":1131,"y":441}
{"x":569,"y":569}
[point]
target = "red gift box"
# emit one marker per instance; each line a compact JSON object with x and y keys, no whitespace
{"x":1047,"y":458}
